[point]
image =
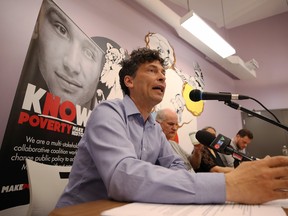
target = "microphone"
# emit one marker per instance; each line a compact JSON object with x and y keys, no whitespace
{"x":221,"y":144}
{"x":197,"y":95}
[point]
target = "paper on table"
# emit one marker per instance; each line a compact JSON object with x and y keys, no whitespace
{"x":280,"y":202}
{"x":148,"y":209}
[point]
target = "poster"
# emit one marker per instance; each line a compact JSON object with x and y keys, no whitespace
{"x":59,"y":86}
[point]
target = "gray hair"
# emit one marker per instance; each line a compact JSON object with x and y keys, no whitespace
{"x":161,"y":115}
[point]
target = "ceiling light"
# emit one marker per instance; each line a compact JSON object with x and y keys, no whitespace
{"x":196,"y":26}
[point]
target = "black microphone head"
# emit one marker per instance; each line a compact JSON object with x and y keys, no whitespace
{"x":195,"y":95}
{"x":220,"y":143}
{"x":205,"y":137}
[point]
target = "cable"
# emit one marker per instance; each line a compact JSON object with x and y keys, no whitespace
{"x":265,"y":109}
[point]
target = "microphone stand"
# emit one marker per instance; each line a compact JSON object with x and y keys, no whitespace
{"x":239,"y":107}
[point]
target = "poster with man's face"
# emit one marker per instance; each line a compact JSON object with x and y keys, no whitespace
{"x":57,"y":91}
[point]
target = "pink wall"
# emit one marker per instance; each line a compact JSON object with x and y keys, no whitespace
{"x":266,"y":41}
{"x":127,"y":24}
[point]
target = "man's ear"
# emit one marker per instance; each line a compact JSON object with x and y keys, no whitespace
{"x":128,"y":80}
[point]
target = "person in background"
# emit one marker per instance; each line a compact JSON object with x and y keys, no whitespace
{"x":168,"y":121}
{"x":211,"y":160}
{"x":124,"y":155}
{"x":242,"y":139}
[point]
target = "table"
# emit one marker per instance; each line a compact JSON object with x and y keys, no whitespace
{"x":87,"y":209}
{"x":93,"y":208}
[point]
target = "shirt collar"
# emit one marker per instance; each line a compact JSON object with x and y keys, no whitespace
{"x":131,"y":109}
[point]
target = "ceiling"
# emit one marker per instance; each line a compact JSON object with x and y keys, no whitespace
{"x":231,"y":13}
{"x":225,"y":14}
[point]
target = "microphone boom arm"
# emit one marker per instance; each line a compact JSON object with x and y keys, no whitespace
{"x":239,"y":107}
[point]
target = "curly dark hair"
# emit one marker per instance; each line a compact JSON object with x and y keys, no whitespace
{"x":132,"y":63}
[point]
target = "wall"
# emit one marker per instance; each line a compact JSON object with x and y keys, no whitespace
{"x":266,"y":41}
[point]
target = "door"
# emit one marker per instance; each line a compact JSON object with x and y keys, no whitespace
{"x":268,"y":138}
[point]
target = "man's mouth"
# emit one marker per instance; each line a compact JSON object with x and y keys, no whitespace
{"x":68,"y":83}
{"x":161,"y":88}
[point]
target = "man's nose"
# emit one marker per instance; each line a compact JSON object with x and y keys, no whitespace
{"x":161,"y":76}
{"x":72,"y":59}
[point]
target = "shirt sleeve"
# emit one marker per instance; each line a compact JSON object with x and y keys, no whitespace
{"x":129,"y":174}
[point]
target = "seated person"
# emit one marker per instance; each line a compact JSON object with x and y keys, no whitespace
{"x":211,"y":160}
{"x":168,"y":121}
{"x":242,"y":139}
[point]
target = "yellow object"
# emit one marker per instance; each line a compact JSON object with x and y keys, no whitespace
{"x":196,"y":108}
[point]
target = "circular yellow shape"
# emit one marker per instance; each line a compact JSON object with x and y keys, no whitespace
{"x":196,"y":108}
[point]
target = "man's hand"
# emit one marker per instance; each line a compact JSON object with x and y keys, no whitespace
{"x":259,"y":181}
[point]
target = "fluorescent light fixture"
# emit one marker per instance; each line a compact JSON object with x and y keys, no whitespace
{"x":195,"y":25}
